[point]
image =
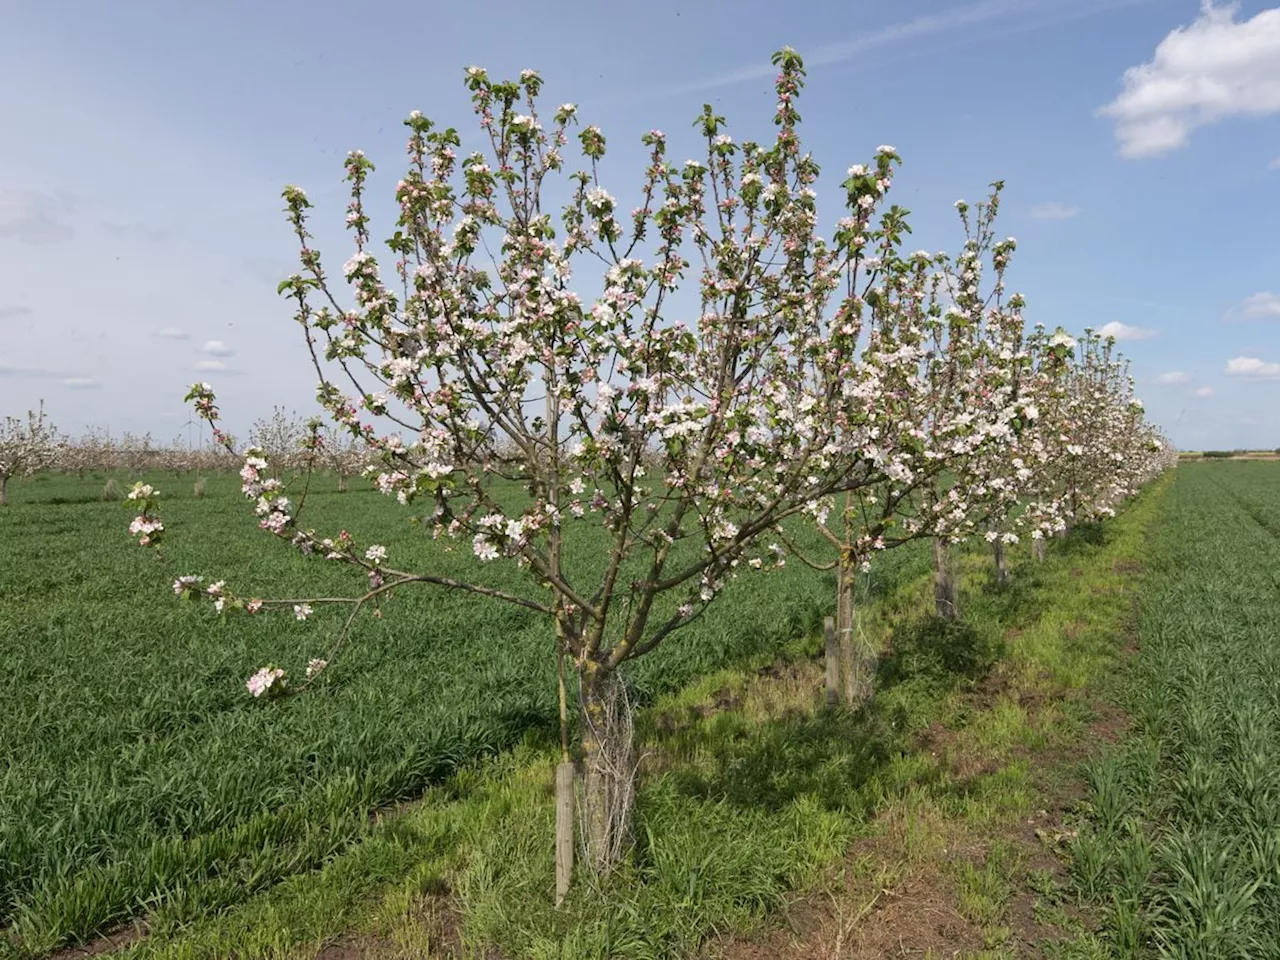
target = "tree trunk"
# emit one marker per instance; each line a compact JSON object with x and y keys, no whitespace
{"x":857,"y":658}
{"x":342,"y":483}
{"x":1037,"y":549}
{"x":608,"y":768}
{"x":1002,"y":572}
{"x":4,"y":491}
{"x":945,"y":593}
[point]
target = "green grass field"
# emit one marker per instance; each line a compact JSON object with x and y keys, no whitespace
{"x":142,"y":783}
{"x":1183,"y":850}
{"x":769,"y":826}
{"x":139,"y":778}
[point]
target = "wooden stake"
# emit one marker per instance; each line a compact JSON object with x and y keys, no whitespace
{"x":833,"y":661}
{"x":565,"y":772}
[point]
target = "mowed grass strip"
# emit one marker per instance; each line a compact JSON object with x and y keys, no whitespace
{"x":138,"y":778}
{"x":1182,"y":852}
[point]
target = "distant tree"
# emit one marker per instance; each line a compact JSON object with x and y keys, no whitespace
{"x":26,"y":447}
{"x":280,"y":438}
{"x":92,"y":451}
{"x":344,"y":455}
{"x":136,"y":454}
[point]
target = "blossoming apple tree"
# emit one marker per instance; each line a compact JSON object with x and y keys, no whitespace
{"x":26,"y":447}
{"x":953,"y":396}
{"x":1093,"y":426}
{"x":684,"y":427}
{"x":280,"y":437}
{"x":1111,"y":436}
{"x":1012,"y":472}
{"x":978,"y":403}
{"x":343,"y":453}
{"x":90,"y":451}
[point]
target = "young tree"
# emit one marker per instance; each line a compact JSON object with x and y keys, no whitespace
{"x":977,"y":404}
{"x":280,"y":438}
{"x":953,"y":400}
{"x":136,"y":454}
{"x":90,"y":452}
{"x":1017,"y":472}
{"x":26,"y":447}
{"x":344,"y":455}
{"x":1090,"y":416}
{"x":685,"y":437}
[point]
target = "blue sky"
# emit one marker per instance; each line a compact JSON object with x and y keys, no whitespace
{"x":140,"y":224}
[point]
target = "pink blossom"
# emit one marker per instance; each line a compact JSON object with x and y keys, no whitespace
{"x":266,"y":680}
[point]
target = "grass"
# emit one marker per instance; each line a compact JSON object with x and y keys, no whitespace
{"x":139,"y":780}
{"x":1182,"y":846}
{"x":766,"y":821}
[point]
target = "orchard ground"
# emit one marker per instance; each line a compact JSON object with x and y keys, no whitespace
{"x":402,"y":809}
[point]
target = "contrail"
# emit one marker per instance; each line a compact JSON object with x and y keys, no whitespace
{"x":922,"y":26}
{"x":926,"y":25}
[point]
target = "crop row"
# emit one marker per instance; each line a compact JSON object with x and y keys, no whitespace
{"x":1184,"y":845}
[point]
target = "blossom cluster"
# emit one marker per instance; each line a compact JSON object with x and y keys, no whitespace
{"x":146,"y":526}
{"x":269,"y":681}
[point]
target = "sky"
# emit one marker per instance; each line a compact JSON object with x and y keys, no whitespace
{"x":141,"y":233}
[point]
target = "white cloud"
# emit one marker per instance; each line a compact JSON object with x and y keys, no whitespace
{"x":1203,"y":391}
{"x":216,"y":348}
{"x":8,"y":369}
{"x":173,"y":333}
{"x":15,"y":310}
{"x":1253,"y":368}
{"x":210,"y":365}
{"x":1122,"y":331}
{"x":81,"y":383}
{"x":1053,"y":210}
{"x":1274,"y":164}
{"x":1173,"y":377}
{"x":1264,"y":304}
{"x":33,"y":217}
{"x":1200,"y":74}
